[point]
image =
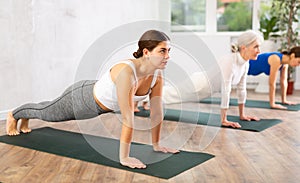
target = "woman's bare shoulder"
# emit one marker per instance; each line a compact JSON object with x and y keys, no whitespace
{"x":120,"y":70}
{"x":274,"y":60}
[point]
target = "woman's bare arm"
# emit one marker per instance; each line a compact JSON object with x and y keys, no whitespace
{"x":122,"y":75}
{"x":275,"y":64}
{"x":283,"y":82}
{"x":157,"y":116}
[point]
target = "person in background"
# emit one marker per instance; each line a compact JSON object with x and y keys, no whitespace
{"x":271,"y":63}
{"x":234,"y":69}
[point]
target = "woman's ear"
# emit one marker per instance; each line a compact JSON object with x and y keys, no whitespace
{"x":242,"y":47}
{"x":145,"y":51}
{"x":292,"y":56}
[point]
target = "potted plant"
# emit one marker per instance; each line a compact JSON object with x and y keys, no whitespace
{"x":269,"y":29}
{"x":268,"y":26}
{"x":287,"y":13}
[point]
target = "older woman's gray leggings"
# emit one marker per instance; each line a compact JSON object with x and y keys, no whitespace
{"x":77,"y":102}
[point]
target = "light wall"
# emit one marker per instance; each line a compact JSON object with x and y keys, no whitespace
{"x":42,"y":42}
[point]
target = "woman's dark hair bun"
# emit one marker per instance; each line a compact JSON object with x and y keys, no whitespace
{"x":135,"y":55}
{"x":138,"y":54}
{"x":285,"y":52}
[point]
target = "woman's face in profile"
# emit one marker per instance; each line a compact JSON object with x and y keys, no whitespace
{"x":295,"y":61}
{"x":160,"y":54}
{"x":253,"y":50}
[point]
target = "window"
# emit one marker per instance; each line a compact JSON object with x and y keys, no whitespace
{"x":222,"y":15}
{"x":188,"y":13}
{"x":265,"y":6}
{"x":234,"y":15}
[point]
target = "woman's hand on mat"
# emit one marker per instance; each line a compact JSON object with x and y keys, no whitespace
{"x":278,"y":106}
{"x":132,"y":163}
{"x":231,"y":124}
{"x":249,"y":118}
{"x":165,"y":149}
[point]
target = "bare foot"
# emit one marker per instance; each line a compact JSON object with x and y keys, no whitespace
{"x":132,"y":163}
{"x":136,"y":109}
{"x":278,"y":106}
{"x":145,"y":106}
{"x":11,"y":125}
{"x":24,"y":126}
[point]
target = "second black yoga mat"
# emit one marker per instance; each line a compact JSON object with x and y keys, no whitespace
{"x":251,"y":103}
{"x":211,"y":119}
{"x":76,"y":145}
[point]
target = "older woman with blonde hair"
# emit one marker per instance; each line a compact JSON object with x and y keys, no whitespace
{"x":234,"y":68}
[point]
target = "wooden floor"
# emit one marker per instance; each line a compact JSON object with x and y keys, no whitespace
{"x":272,"y":155}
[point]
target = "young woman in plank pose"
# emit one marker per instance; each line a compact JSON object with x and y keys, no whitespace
{"x":128,"y":81}
{"x":271,"y":63}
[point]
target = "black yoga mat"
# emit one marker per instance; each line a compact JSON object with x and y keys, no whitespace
{"x":76,"y":145}
{"x":211,"y":119}
{"x":251,"y":103}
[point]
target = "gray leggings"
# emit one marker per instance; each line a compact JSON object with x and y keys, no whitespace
{"x":76,"y":103}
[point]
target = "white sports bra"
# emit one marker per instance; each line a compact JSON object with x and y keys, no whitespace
{"x":105,"y":89}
